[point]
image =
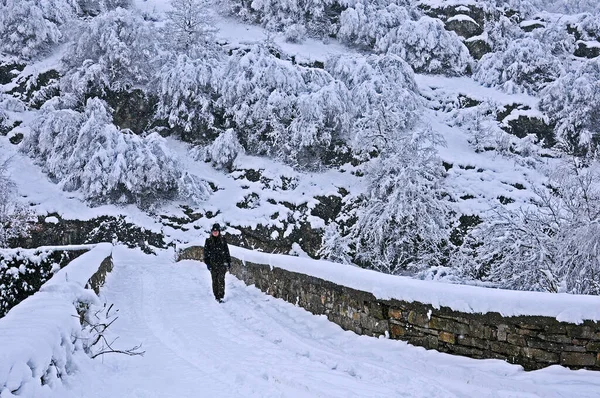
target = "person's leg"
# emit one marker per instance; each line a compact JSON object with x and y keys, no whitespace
{"x":221,"y":285}
{"x":215,"y":282}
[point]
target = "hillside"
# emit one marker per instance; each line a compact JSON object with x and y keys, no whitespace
{"x":448,"y":140}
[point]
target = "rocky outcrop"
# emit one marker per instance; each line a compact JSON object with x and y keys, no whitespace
{"x":477,"y":47}
{"x":587,"y":49}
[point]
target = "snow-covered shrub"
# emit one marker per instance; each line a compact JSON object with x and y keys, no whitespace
{"x":24,"y":271}
{"x":367,"y":24}
{"x":428,"y":47}
{"x":14,"y":216}
{"x":383,"y":95}
{"x":295,"y":33}
{"x":290,"y":112}
{"x":185,"y":93}
{"x":402,"y":221}
{"x":95,"y":7}
{"x":525,"y":66}
{"x":316,"y":16}
{"x":424,"y":43}
{"x":573,"y":104}
{"x":224,"y":150}
{"x":556,"y":37}
{"x":552,"y":246}
{"x":116,"y":50}
{"x":501,"y":33}
{"x":568,"y":6}
{"x":30,"y":27}
{"x":86,"y":152}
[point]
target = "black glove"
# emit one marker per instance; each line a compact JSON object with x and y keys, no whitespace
{"x":208,"y":266}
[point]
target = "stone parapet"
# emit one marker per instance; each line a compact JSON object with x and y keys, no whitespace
{"x":531,"y":341}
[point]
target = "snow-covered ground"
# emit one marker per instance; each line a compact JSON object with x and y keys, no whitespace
{"x":256,"y":346}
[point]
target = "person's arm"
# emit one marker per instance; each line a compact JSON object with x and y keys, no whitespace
{"x":227,"y":255}
{"x":207,"y":253}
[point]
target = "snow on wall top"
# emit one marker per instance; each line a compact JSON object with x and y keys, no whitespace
{"x":469,"y":299}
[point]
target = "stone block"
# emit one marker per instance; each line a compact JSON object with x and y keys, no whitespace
{"x":482,"y":331}
{"x":377,"y":310}
{"x":527,"y":332}
{"x":539,"y":355}
{"x":580,"y":332}
{"x":466,"y":351}
{"x":418,"y":319}
{"x":397,"y":331}
{"x":505,"y":348}
{"x":502,"y":332}
{"x":395,"y":313}
{"x":425,"y":331}
{"x":556,"y":338}
{"x":448,"y":325}
{"x":516,"y":339}
{"x":446,"y":337}
{"x":593,"y":346}
{"x":556,"y":329}
{"x":578,"y":359}
{"x":472,"y":342}
{"x":574,"y":348}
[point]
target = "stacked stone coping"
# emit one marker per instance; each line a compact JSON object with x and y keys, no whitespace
{"x":531,"y":341}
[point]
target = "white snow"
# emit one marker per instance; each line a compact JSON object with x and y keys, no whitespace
{"x":462,"y":18}
{"x":256,"y":346}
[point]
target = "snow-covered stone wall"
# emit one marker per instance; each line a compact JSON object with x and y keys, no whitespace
{"x":527,"y":328}
{"x":40,"y":338}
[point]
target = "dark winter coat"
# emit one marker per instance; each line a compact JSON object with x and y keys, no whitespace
{"x":216,"y":253}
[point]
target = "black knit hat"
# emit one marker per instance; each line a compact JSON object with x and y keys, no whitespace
{"x":216,"y":227}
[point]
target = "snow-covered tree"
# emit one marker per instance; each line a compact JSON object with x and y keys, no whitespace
{"x":258,"y":92}
{"x":14,"y":216}
{"x":186,"y":92}
{"x":189,"y":26}
{"x":525,"y":66}
{"x":321,"y":128}
{"x":383,"y":95}
{"x":224,"y":150}
{"x":116,"y":50}
{"x":86,"y":152}
{"x":189,"y":79}
{"x":402,"y":221}
{"x":31,"y":27}
{"x":552,"y":245}
{"x":573,"y":104}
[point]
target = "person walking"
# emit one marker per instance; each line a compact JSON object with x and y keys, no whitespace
{"x":218,"y":260}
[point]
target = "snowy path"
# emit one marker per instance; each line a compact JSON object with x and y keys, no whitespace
{"x":256,"y":346}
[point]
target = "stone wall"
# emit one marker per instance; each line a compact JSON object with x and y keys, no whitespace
{"x":531,"y":341}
